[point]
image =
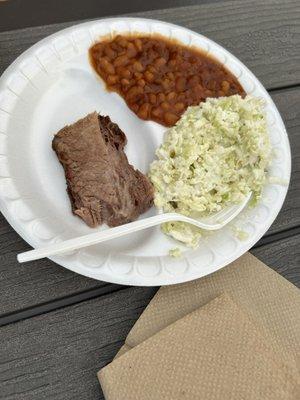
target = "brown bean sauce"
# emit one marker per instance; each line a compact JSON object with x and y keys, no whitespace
{"x":159,"y":78}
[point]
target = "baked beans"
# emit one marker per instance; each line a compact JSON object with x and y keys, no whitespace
{"x":159,"y":78}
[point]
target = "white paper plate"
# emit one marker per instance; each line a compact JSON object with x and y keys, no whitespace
{"x":51,"y":85}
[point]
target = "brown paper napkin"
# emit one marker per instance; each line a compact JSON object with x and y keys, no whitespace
{"x":215,"y":352}
{"x":268,"y":298}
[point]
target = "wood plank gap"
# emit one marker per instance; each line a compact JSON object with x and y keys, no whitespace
{"x":16,"y":316}
{"x":89,"y":294}
{"x":275,"y":237}
{"x":284,"y":88}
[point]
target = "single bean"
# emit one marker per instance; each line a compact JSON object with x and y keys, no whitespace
{"x":125,"y":82}
{"x":144,"y":111}
{"x":161,"y":97}
{"x":170,"y":118}
{"x":134,"y":107}
{"x":112,"y":79}
{"x":125,"y":73}
{"x":178,"y":107}
{"x":121,"y":41}
{"x":148,"y":88}
{"x":166,"y":84}
{"x":138,"y":75}
{"x":121,"y":61}
{"x":151,"y":69}
{"x":149,"y":77}
{"x":225,"y":86}
{"x":165,"y":105}
{"x":198,"y":90}
{"x":211,"y":84}
{"x":131,"y":50}
{"x":107,"y":66}
{"x":109,"y":52}
{"x":171,"y":96}
{"x":152,"y":98}
{"x":208,"y":93}
{"x":141,"y":82}
{"x":138,"y":44}
{"x":180,"y":84}
{"x":156,"y":112}
{"x":160,"y":62}
{"x":171,"y":76}
{"x":137,"y":66}
{"x":133,"y":91}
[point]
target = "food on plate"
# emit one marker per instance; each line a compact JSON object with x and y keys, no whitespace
{"x":175,"y":252}
{"x":216,"y":154}
{"x":102,"y":185}
{"x":159,"y":78}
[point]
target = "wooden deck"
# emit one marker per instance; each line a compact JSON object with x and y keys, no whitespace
{"x":58,"y":328}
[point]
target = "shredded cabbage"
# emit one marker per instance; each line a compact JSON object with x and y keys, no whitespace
{"x":176,"y":252}
{"x":216,"y":154}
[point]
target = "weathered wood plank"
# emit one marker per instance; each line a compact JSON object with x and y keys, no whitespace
{"x":288,"y":103}
{"x":56,"y":355}
{"x":264,"y":35}
{"x":283,"y":256}
{"x":69,"y":10}
{"x":26,"y":285}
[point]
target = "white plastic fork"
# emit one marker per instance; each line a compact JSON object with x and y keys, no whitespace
{"x":214,"y":222}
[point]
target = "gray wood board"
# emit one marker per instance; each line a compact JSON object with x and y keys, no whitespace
{"x":24,"y":285}
{"x":29,"y":284}
{"x":264,"y":35}
{"x":56,"y":355}
{"x":288,"y":103}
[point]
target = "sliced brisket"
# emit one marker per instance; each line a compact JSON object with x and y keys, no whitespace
{"x":102,"y":185}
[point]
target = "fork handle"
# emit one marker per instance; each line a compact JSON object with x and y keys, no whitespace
{"x":97,"y":237}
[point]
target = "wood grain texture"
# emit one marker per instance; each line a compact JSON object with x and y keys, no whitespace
{"x":51,"y":12}
{"x":23,"y":285}
{"x":29,"y":284}
{"x":56,"y":355}
{"x":264,"y":35}
{"x":283,"y":256}
{"x":288,"y":103}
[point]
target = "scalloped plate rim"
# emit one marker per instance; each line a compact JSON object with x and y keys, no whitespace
{"x":137,"y":279}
